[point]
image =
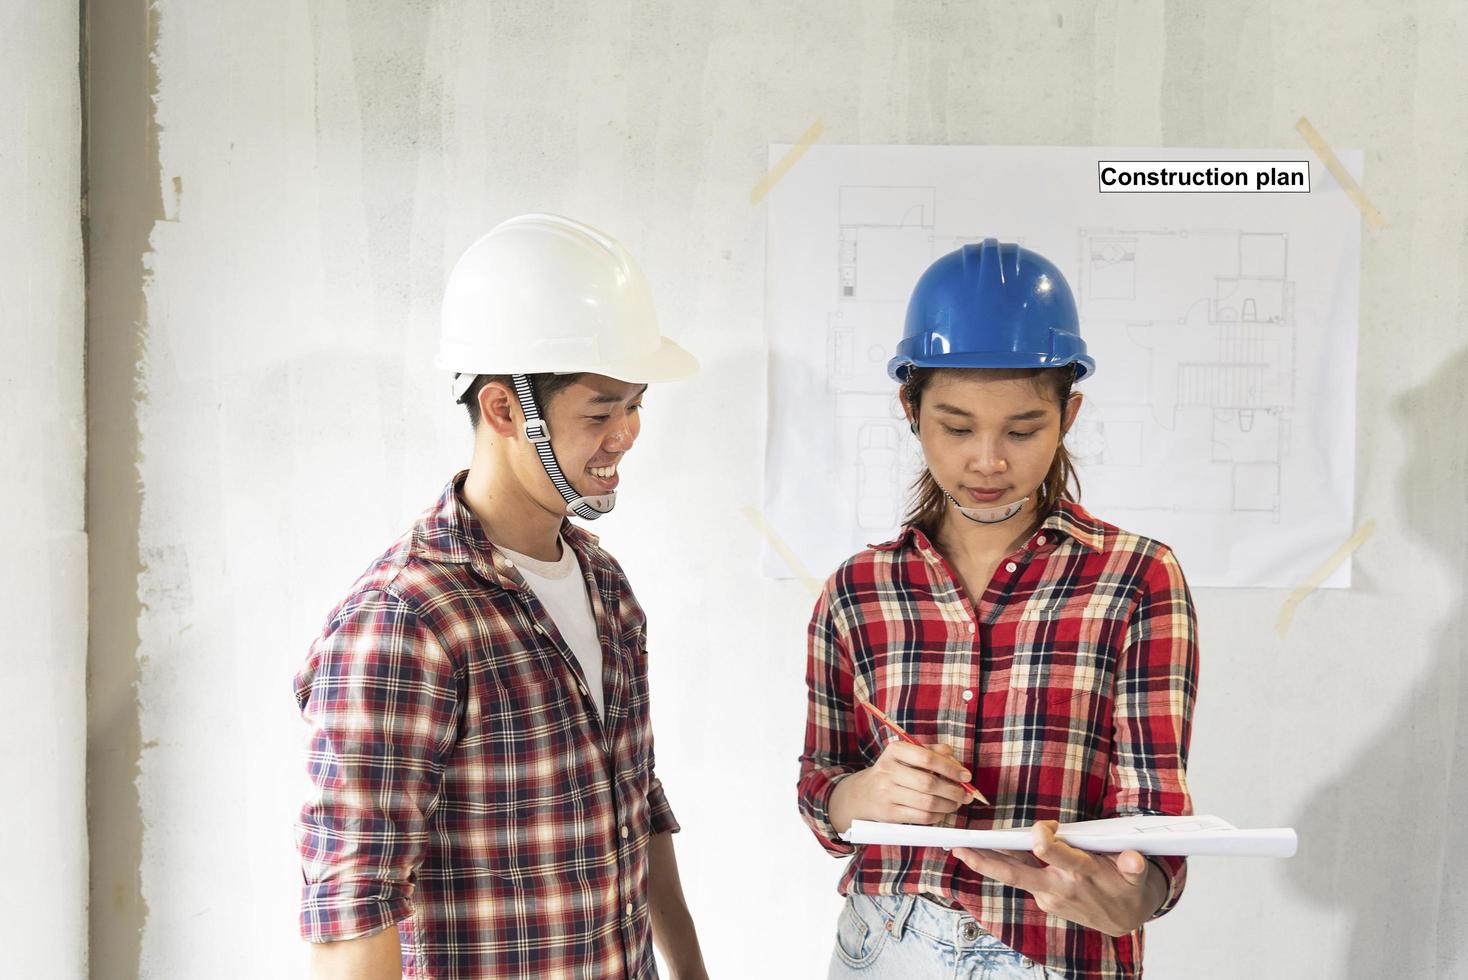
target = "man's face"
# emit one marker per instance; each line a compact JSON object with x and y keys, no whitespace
{"x":593,"y":423}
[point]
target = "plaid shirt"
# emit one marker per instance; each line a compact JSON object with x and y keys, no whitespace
{"x":465,"y":786}
{"x":1067,"y":690}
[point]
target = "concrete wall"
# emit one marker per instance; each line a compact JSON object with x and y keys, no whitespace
{"x":42,"y":454}
{"x":280,"y":220}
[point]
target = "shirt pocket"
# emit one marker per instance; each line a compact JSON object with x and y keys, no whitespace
{"x":538,"y":815}
{"x":528,"y":698}
{"x":1066,"y":654}
{"x":529,"y":748}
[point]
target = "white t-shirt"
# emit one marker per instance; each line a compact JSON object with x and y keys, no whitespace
{"x":561,"y":589}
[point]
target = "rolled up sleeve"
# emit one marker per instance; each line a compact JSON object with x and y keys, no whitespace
{"x":831,"y":751}
{"x":661,"y":814}
{"x":380,"y":696}
{"x":1156,"y":685}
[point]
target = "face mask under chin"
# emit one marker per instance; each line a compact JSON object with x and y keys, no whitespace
{"x":988,"y":515}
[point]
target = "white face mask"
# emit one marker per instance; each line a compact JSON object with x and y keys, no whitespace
{"x":988,"y":515}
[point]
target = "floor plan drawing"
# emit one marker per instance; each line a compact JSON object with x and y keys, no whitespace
{"x":1211,"y":315}
{"x":884,"y":242}
{"x":1220,"y":419}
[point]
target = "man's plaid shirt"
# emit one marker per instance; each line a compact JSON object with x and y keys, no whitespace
{"x":1067,"y":689}
{"x":464,"y":785}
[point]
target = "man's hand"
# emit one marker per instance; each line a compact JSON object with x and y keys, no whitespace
{"x":907,"y":784}
{"x":1112,"y":893}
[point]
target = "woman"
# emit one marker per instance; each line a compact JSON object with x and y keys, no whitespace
{"x":1041,"y":655}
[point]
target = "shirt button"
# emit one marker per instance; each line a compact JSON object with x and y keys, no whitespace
{"x":1040,"y":539}
{"x":625,"y":833}
{"x":629,"y":908}
{"x":540,"y":629}
{"x":972,"y":629}
{"x":1011,"y":567}
{"x":582,"y":688}
{"x":968,"y":695}
{"x":509,"y":564}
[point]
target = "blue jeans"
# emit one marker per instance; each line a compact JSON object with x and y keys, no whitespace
{"x":882,"y":937}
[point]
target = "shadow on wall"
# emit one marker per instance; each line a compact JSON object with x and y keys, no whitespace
{"x":1407,"y":901}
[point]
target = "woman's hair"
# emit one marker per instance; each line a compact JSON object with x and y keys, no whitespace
{"x":544,"y":386}
{"x":925,"y":510}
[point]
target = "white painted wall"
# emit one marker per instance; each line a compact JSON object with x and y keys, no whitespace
{"x":42,"y":455}
{"x":323,"y":163}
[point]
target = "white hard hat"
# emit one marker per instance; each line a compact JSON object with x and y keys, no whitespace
{"x":542,"y":294}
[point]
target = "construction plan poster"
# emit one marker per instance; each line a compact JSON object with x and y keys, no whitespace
{"x":1221,"y":417}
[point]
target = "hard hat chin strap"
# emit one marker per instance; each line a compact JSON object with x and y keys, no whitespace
{"x":990,"y":515}
{"x":538,"y":432}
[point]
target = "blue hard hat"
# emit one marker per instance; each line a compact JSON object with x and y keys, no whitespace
{"x":991,"y":305}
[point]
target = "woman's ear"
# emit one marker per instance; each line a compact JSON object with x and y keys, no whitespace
{"x":1072,"y":409}
{"x":908,"y":410}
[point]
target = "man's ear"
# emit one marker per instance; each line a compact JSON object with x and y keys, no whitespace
{"x":1072,"y":409}
{"x":499,"y":410}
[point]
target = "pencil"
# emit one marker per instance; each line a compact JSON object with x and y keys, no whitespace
{"x":896,"y":729}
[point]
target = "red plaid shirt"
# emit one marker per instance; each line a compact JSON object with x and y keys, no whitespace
{"x":465,"y":786}
{"x":1068,"y":692}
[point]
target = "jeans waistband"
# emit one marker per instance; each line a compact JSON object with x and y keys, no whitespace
{"x":934,"y":921}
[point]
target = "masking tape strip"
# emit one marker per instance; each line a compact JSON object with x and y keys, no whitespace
{"x":1343,"y":177}
{"x":1287,"y":612}
{"x":789,"y":160}
{"x":782,"y":549}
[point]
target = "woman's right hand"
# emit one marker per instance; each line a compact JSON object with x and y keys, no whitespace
{"x":907,"y":784}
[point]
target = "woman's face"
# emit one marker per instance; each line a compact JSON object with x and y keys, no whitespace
{"x":989,"y":436}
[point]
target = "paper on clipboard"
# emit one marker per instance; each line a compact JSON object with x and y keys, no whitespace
{"x":1201,"y":836}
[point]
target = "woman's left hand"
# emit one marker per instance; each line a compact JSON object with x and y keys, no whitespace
{"x":1113,"y":893}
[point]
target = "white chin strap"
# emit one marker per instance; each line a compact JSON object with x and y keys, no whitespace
{"x":988,"y":515}
{"x":538,"y":432}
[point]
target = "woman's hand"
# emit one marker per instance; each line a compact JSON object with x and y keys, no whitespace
{"x":907,"y":784}
{"x":1112,"y":893}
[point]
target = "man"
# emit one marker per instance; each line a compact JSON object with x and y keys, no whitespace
{"x":485,"y":803}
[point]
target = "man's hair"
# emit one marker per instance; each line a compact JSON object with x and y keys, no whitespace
{"x":544,"y":386}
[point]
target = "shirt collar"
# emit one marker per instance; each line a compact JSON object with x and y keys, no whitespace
{"x":450,"y":532}
{"x":1075,"y":522}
